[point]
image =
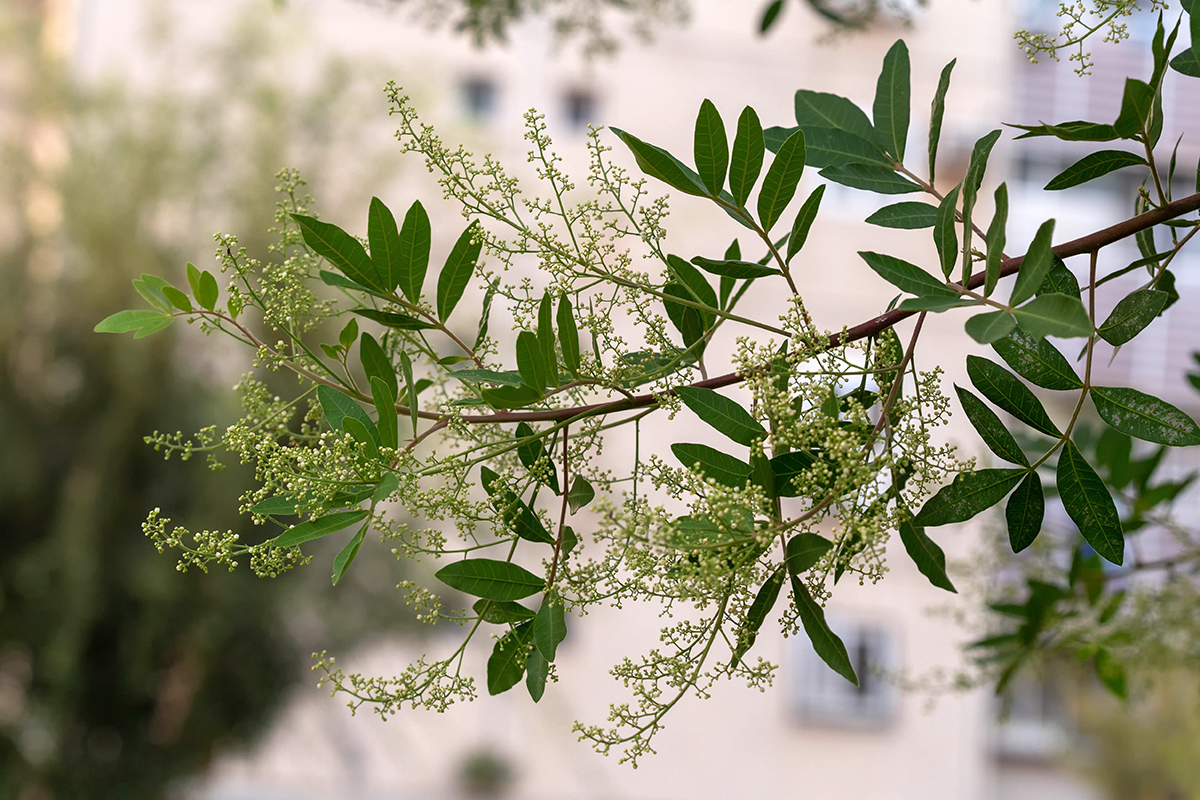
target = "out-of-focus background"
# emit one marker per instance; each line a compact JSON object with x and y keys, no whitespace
{"x":131,"y":130}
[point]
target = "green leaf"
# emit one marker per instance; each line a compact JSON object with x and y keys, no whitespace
{"x":315,"y":529}
{"x":893,"y":97}
{"x":506,"y":665}
{"x":1136,"y":103}
{"x":822,"y":110}
{"x":570,"y":540}
{"x":990,"y":428}
{"x":1111,"y":674}
{"x":401,"y":322}
{"x":537,"y":669}
{"x":531,"y":361}
{"x":1005,"y":390}
{"x":722,"y":413}
{"x":388,"y":484}
{"x":761,"y":474}
{"x":937,"y":112}
{"x":764,"y":601}
{"x":349,"y":334}
{"x":1054,"y":315}
{"x":376,"y":363}
{"x":531,"y":450}
{"x":908,"y":216}
{"x":747,"y":157}
{"x":870,"y":178}
{"x":337,"y":407}
{"x":734,"y":269}
{"x":193,"y":277}
{"x":936,"y":303}
{"x":366,"y":434}
{"x":827,"y":147}
{"x":804,"y":220}
{"x":545,"y":336}
{"x":1075,"y":131}
{"x":338,"y":248}
{"x":1088,"y":503}
{"x":990,"y":326}
{"x":153,"y":295}
{"x":414,"y":240}
{"x":688,"y":320}
{"x":568,"y":335}
{"x":658,"y":163}
{"x":457,"y":272}
{"x":786,"y":467}
{"x":502,"y":613}
{"x":510,"y":396}
{"x":549,"y":626}
{"x":1186,"y":63}
{"x":385,"y":408}
{"x":1037,"y":263}
{"x":385,"y":245}
{"x":969,"y":494}
{"x":581,"y":493}
{"x":345,"y":556}
{"x":926,"y":554}
{"x":976,"y":167}
{"x":1132,"y":315}
{"x":711,"y":147}
{"x":177,"y":298}
{"x":779,"y":184}
{"x":824,"y":641}
{"x":712,"y":463}
{"x":410,"y":390}
{"x":804,"y":550}
{"x":1145,"y":417}
{"x":126,"y":321}
{"x":1092,"y":166}
{"x":492,"y":580}
{"x":770,"y":15}
{"x":278,"y":506}
{"x":1025,"y":511}
{"x":1060,"y":280}
{"x":506,"y":378}
{"x":523,"y":520}
{"x":695,"y":287}
{"x":905,"y":276}
{"x":996,"y":239}
{"x":488,"y":295}
{"x":1037,"y":361}
{"x":945,"y":235}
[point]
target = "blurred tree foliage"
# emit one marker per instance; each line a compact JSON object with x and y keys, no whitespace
{"x":117,"y":675}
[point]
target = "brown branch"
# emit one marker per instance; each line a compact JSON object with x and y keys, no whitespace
{"x":1084,"y":244}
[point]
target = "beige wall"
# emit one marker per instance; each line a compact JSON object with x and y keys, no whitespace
{"x":739,"y":744}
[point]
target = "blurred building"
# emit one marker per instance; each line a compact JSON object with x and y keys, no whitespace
{"x":812,"y":736}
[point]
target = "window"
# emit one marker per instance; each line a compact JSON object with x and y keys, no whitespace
{"x":821,"y":695}
{"x":1032,"y":721}
{"x":579,"y":108}
{"x":479,"y":99}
